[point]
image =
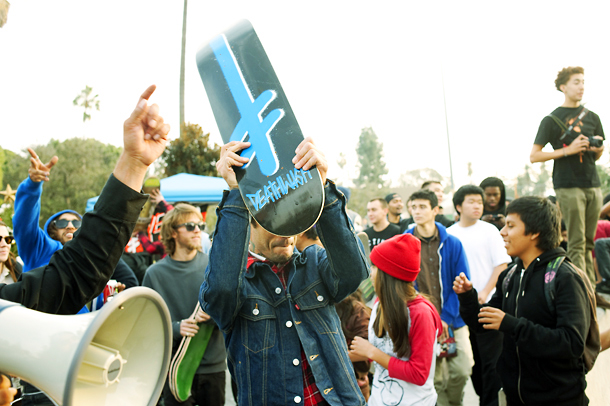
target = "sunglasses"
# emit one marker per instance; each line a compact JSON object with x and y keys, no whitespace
{"x":62,"y":223}
{"x":8,"y":239}
{"x":191,"y":226}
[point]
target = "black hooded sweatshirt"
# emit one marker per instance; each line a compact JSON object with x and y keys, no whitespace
{"x":542,"y":356}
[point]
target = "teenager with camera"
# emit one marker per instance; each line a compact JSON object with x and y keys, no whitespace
{"x":577,"y":136}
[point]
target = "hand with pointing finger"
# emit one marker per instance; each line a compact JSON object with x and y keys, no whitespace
{"x":144,"y":138}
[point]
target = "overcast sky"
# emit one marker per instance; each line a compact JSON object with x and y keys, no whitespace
{"x":343,"y":65}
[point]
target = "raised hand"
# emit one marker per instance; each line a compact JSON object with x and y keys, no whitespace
{"x":144,"y":133}
{"x":144,"y":138}
{"x":228,"y":159}
{"x":308,"y":155}
{"x":461,"y":284}
{"x":39,"y":171}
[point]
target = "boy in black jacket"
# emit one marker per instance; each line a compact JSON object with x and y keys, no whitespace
{"x":542,"y":355}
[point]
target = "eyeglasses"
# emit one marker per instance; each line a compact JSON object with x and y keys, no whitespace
{"x":191,"y":226}
{"x":8,"y":239}
{"x":63,"y":223}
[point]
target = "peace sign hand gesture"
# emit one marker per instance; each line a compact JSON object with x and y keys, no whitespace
{"x":39,"y":171}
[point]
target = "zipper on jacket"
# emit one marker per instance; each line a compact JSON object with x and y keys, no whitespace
{"x":516,"y":346}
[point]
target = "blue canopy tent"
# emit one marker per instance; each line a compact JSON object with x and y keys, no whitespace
{"x":186,"y":187}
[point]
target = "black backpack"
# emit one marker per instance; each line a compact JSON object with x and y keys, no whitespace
{"x":592,"y":342}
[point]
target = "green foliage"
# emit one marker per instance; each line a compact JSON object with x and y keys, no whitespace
{"x":14,"y":169}
{"x":370,"y":160}
{"x":82,"y":170}
{"x":191,"y":153}
{"x":87,"y":101}
{"x":1,"y":165}
{"x":360,"y":196}
{"x":530,"y":183}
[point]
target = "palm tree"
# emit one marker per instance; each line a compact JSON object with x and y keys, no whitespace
{"x":87,"y":101}
{"x":182,"y":67}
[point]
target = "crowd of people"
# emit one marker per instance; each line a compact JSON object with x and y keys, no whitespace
{"x":489,"y":295}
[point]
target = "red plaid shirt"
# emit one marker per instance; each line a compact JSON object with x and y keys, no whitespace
{"x":311,"y":393}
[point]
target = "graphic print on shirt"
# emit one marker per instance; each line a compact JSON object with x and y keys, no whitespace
{"x":391,"y":391}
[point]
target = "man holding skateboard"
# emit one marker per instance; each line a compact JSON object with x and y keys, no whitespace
{"x":275,"y":305}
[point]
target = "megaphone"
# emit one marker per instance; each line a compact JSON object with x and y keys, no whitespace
{"x":118,"y":355}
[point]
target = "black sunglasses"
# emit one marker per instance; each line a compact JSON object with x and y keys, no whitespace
{"x":62,"y":223}
{"x":9,"y":240}
{"x":191,"y":226}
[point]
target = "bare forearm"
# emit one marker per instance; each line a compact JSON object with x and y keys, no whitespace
{"x":543,"y":156}
{"x":380,"y":357}
{"x":493,"y":279}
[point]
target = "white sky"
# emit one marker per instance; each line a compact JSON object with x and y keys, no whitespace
{"x":343,"y":65}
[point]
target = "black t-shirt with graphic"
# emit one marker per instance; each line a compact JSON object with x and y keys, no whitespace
{"x":376,"y":238}
{"x":571,"y":171}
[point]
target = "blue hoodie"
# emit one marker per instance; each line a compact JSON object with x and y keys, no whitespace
{"x":453,"y":261}
{"x":35,"y":245}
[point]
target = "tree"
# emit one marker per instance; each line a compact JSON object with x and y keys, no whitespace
{"x":191,"y":153}
{"x":370,"y":160}
{"x":87,"y":102}
{"x":4,"y":6}
{"x":525,"y":184}
{"x":542,"y":182}
{"x":14,"y":169}
{"x":82,"y":170}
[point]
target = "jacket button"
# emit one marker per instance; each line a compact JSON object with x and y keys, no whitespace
{"x":320,"y":298}
{"x":297,"y":399}
{"x":255,"y":312}
{"x":295,"y":362}
{"x":278,"y":290}
{"x":288,"y":324}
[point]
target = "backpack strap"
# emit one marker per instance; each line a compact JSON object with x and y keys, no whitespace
{"x":549,"y":282}
{"x":506,"y":283}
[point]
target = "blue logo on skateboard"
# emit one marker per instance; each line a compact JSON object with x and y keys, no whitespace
{"x":252,"y":123}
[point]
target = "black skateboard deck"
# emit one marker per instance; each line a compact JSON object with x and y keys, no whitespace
{"x":249,"y":104}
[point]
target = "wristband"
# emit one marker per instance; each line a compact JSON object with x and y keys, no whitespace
{"x":565,"y":154}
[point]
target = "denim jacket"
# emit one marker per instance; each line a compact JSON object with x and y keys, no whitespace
{"x":265,"y":326}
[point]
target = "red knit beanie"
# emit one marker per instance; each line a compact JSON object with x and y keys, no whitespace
{"x":398,"y":256}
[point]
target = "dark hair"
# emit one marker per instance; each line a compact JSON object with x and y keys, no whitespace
{"x":384,"y":204}
{"x":495,"y":182}
{"x":429,"y":182}
{"x":564,"y":75}
{"x":460,"y":195}
{"x":541,"y":216}
{"x":425,"y":194}
{"x":392,"y":312}
{"x":52,"y":228}
{"x":312,"y":233}
{"x":10,"y":261}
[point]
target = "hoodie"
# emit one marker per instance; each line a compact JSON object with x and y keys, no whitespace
{"x":35,"y":245}
{"x":541,"y":361}
{"x":453,"y":261}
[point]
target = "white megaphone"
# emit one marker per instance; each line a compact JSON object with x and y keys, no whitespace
{"x":118,"y":355}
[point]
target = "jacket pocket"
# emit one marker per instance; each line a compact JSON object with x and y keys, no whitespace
{"x":316,"y":305}
{"x":258,"y":326}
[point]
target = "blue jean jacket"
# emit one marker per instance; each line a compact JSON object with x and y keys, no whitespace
{"x":265,"y":326}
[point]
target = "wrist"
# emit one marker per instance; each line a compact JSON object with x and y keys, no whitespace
{"x":565,"y":152}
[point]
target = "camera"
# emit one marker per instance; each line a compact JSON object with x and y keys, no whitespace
{"x":595,"y":142}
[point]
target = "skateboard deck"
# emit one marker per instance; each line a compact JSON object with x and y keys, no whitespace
{"x":187,"y":359}
{"x":249,"y":104}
